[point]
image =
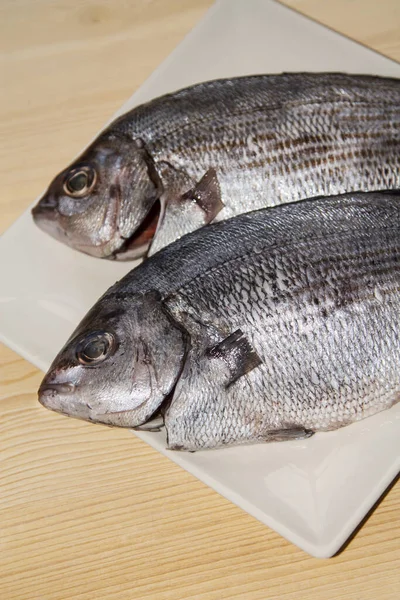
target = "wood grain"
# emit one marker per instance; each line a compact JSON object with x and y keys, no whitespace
{"x":90,"y":512}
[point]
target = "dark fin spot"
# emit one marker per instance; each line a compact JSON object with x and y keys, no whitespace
{"x":238,"y":354}
{"x":207,"y":195}
{"x":284,"y":435}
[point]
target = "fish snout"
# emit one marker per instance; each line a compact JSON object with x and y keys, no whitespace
{"x":47,"y":217}
{"x":53,"y":394}
{"x":44,"y":209}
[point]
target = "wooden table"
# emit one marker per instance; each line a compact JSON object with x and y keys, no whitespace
{"x":89,"y":512}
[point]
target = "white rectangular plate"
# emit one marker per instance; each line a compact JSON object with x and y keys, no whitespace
{"x":313,"y":492}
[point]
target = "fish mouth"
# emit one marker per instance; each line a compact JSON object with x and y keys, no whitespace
{"x":139,"y":242}
{"x":49,"y":393}
{"x":47,"y":389}
{"x":59,"y":398}
{"x":45,"y":216}
{"x":45,"y":208}
{"x":43,"y":213}
{"x":54,"y":395}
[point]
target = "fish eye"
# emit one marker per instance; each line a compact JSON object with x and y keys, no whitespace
{"x":95,"y":348}
{"x":80,"y":181}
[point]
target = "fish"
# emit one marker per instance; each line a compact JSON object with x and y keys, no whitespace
{"x":221,"y":148}
{"x":269,"y":326}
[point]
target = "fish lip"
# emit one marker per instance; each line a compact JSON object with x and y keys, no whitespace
{"x":49,"y":389}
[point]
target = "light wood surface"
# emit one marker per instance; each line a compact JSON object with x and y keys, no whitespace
{"x":88,"y":512}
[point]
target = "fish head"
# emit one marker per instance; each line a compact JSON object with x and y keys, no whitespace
{"x":102,"y":203}
{"x":119,"y":365}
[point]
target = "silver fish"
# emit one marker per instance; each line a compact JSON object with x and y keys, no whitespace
{"x":268,"y":326}
{"x":268,"y":139}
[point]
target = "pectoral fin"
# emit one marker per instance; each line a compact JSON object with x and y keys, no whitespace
{"x":207,"y":195}
{"x":185,"y":211}
{"x":238,"y":354}
{"x":204,"y":193}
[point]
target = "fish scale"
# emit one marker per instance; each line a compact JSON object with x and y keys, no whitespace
{"x":269,"y":139}
{"x":307,"y":351}
{"x":273,"y":118}
{"x":269,"y":326}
